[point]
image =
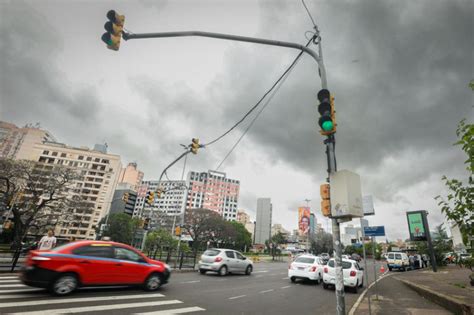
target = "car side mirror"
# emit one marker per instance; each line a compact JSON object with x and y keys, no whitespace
{"x":244,"y":258}
{"x":361,"y":268}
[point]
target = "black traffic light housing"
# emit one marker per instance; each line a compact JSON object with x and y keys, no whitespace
{"x":114,"y":28}
{"x":327,"y":121}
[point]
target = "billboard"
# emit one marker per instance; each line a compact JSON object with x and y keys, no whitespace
{"x":304,"y":220}
{"x":416,"y":225}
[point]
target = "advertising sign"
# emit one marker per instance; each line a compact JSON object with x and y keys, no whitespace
{"x":416,"y":225}
{"x":303,"y":220}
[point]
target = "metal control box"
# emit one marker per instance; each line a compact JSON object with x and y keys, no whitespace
{"x":346,"y":195}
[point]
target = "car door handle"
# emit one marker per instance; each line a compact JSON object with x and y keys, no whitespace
{"x":85,"y":262}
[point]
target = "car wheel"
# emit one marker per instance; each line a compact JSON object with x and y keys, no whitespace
{"x":293,"y":279}
{"x":64,"y":284}
{"x":248,"y":270}
{"x":222,"y":271}
{"x":325,"y":286}
{"x":202,"y":271}
{"x":153,"y":282}
{"x":362,"y":283}
{"x":404,"y":269}
{"x":356,"y":288}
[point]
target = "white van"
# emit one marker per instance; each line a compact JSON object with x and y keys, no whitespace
{"x":397,"y":260}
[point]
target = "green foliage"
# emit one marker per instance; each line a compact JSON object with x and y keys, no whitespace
{"x":160,"y":239}
{"x":458,"y":205}
{"x":243,"y":238}
{"x":322,"y":243}
{"x":121,"y":228}
{"x":441,"y":244}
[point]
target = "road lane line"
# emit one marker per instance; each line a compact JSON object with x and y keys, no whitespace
{"x":74,"y":300}
{"x":193,"y":281}
{"x":236,"y":297}
{"x":10,"y":281}
{"x":23,"y":290}
{"x":266,"y":291}
{"x":174,"y":311}
{"x":12,"y":285}
{"x":286,"y":287}
{"x":72,"y":310}
{"x":260,"y":271}
{"x":285,"y":278}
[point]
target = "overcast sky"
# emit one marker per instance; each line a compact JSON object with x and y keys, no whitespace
{"x":399,"y":71}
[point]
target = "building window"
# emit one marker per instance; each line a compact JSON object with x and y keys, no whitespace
{"x":55,"y":154}
{"x":81,"y":157}
{"x":45,"y":152}
{"x":89,"y":158}
{"x":63,"y":155}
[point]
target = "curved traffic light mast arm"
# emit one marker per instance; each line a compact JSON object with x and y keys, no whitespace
{"x":171,"y":164}
{"x":312,"y":53}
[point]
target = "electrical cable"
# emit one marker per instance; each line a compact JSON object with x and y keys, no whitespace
{"x":279,"y":82}
{"x":255,"y":106}
{"x":312,"y":20}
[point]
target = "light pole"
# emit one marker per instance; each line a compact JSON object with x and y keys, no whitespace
{"x":329,"y":141}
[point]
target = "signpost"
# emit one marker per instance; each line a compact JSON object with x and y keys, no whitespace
{"x":374,"y":231}
{"x":420,"y":231}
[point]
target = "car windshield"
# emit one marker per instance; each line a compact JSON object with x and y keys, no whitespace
{"x":305,"y":260}
{"x":211,"y":252}
{"x":398,"y":256}
{"x":390,"y":256}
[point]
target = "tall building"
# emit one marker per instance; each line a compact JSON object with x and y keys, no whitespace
{"x":18,"y":143}
{"x":244,"y":219}
{"x":100,"y":175}
{"x":214,"y":191}
{"x":131,"y":175}
{"x":312,"y":224}
{"x":171,"y":203}
{"x":263,"y":227}
{"x":124,"y":199}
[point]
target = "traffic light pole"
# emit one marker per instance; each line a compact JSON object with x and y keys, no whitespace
{"x":330,"y":141}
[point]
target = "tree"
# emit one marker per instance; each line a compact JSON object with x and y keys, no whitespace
{"x":243,"y":238}
{"x":198,"y":224}
{"x":159,"y":239}
{"x":322,"y":243}
{"x":441,"y":244}
{"x":40,"y":196}
{"x":458,"y":206}
{"x":121,"y":228}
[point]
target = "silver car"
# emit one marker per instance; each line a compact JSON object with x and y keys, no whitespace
{"x":224,"y":261}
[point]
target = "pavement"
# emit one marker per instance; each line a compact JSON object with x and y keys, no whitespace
{"x":420,"y":292}
{"x":267,"y":291}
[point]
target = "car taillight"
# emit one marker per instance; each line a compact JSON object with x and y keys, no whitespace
{"x":326,"y":270}
{"x":218,"y":259}
{"x":353,"y":273}
{"x":313,"y":269}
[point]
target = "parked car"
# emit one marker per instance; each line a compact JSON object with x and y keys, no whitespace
{"x":353,"y":274}
{"x":306,"y":267}
{"x":356,"y":257}
{"x":464,"y":257}
{"x":397,"y":260}
{"x":346,"y":257}
{"x":92,"y":263}
{"x":223,"y":261}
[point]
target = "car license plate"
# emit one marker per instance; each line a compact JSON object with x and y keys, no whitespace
{"x":300,"y":268}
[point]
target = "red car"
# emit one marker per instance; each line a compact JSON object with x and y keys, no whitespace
{"x":92,"y":263}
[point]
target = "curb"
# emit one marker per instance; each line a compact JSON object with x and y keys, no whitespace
{"x":450,"y":303}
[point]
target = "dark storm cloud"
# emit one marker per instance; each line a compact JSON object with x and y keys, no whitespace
{"x":32,"y":88}
{"x":402,"y":97}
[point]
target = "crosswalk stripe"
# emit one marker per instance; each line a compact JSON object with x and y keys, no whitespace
{"x":12,"y":285}
{"x":72,"y":310}
{"x":22,"y":290}
{"x":74,"y":300}
{"x":23,"y":296}
{"x":174,"y":311}
{"x":7,"y":278}
{"x":9,"y":281}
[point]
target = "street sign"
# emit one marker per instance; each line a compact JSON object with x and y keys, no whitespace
{"x":374,"y":230}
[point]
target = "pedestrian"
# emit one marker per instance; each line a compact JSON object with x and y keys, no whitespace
{"x":48,"y":241}
{"x":424,"y":262}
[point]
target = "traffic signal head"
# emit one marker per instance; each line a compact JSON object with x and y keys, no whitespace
{"x":324,"y":190}
{"x":159,"y":192}
{"x":146,"y":223}
{"x":327,"y":121}
{"x":195,"y":145}
{"x":114,"y":28}
{"x":150,"y":197}
{"x":177,"y":231}
{"x":125,"y":197}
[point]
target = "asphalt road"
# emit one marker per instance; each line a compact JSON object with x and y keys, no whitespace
{"x":267,"y":291}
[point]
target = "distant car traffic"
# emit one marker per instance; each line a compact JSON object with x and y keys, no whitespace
{"x":92,"y":263}
{"x":352,"y":272}
{"x":224,"y":261}
{"x":306,"y":267}
{"x":356,"y":257}
{"x":346,"y":257}
{"x":397,"y":260}
{"x":325,"y":256}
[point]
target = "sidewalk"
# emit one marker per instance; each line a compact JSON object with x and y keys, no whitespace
{"x":448,"y":287}
{"x":396,"y":298}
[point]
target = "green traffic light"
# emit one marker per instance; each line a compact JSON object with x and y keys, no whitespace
{"x":327,"y":125}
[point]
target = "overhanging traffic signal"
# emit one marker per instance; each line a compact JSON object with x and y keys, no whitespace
{"x":195,"y":145}
{"x":325,"y":200}
{"x":177,"y":231}
{"x":159,"y":192}
{"x":150,"y":197}
{"x":326,"y":109}
{"x":125,"y":197}
{"x":114,"y":28}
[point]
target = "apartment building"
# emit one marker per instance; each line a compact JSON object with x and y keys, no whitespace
{"x":214,"y":191}
{"x":131,"y":175}
{"x":263,"y":226}
{"x":100,"y":172}
{"x":244,"y":218}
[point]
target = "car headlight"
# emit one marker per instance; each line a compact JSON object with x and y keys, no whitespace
{"x":167,"y":267}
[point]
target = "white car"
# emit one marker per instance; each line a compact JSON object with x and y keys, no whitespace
{"x":397,"y":260}
{"x":306,"y":267}
{"x":353,"y":274}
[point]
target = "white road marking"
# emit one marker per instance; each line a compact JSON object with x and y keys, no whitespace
{"x":359,"y":300}
{"x":260,"y":271}
{"x":194,"y":281}
{"x":12,"y":285}
{"x":174,"y":311}
{"x":8,"y":278}
{"x":22,"y":296}
{"x":286,"y":287}
{"x":10,"y":281}
{"x":236,"y":297}
{"x":23,"y":290}
{"x":266,"y":291}
{"x":285,"y":278}
{"x":74,"y":300}
{"x":72,"y":310}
